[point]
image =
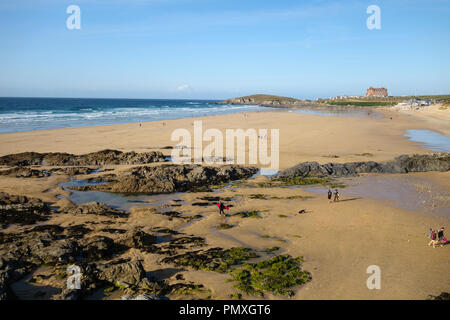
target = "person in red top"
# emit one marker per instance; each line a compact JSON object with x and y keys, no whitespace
{"x":221,"y":208}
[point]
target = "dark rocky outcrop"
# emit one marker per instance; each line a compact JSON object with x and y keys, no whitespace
{"x":59,"y":247}
{"x":170,"y":178}
{"x":89,"y":282}
{"x":104,"y":157}
{"x":97,"y":208}
{"x":138,"y":240}
{"x":20,"y":172}
{"x":98,"y":248}
{"x":401,"y":164}
{"x":123,"y":274}
{"x":73,"y":171}
{"x":418,"y":163}
{"x":444,"y":296}
{"x":21,"y":210}
{"x":26,"y":172}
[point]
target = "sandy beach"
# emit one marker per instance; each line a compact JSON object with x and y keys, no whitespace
{"x":303,"y":137}
{"x":338,"y":241}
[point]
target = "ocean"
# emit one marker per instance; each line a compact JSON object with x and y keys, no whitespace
{"x":26,"y":114}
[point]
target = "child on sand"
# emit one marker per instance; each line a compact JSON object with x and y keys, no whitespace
{"x":433,"y":241}
{"x":330,"y":193}
{"x":336,"y":195}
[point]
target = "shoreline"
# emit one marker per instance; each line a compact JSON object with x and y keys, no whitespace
{"x":266,"y":108}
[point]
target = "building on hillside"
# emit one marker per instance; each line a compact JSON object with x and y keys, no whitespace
{"x":376,"y":92}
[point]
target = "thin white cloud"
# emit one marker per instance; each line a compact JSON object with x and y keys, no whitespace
{"x":183,"y":87}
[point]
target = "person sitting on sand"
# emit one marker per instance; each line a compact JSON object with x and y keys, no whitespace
{"x":433,"y":241}
{"x":330,"y":194}
{"x":336,"y":195}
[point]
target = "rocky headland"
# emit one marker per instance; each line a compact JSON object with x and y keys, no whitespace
{"x":269,"y":101}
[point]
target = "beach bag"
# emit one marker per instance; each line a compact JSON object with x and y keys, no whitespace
{"x":445,"y":240}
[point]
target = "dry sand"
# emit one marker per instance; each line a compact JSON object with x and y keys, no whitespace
{"x":338,"y":241}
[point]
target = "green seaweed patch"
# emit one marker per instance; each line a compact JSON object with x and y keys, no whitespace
{"x":336,"y":185}
{"x":190,"y":218}
{"x":250,"y":184}
{"x":306,"y":181}
{"x":236,"y":296}
{"x":214,"y":259}
{"x":258,"y":196}
{"x":225,"y":226}
{"x":303,"y":181}
{"x":278,"y":275}
{"x":178,"y":215}
{"x":272,"y":249}
{"x":187,"y":289}
{"x":266,"y":236}
{"x":298,"y":197}
{"x":248,"y":214}
{"x":282,"y":216}
{"x":194,"y":241}
{"x":109,"y":289}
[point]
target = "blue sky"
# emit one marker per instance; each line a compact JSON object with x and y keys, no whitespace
{"x":219,"y":49}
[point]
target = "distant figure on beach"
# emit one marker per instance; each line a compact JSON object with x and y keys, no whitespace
{"x":441,"y":236}
{"x":302,"y":211}
{"x":221,"y":208}
{"x":336,"y":195}
{"x":140,"y":124}
{"x":433,"y":241}
{"x":164,"y":124}
{"x":441,"y":233}
{"x":330,"y":194}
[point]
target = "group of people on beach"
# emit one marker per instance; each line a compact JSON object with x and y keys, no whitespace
{"x":437,"y":237}
{"x":330,"y":195}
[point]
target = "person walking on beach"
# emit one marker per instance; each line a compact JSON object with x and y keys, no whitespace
{"x":330,"y":194}
{"x":336,"y":195}
{"x":429,"y":233}
{"x":221,"y":208}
